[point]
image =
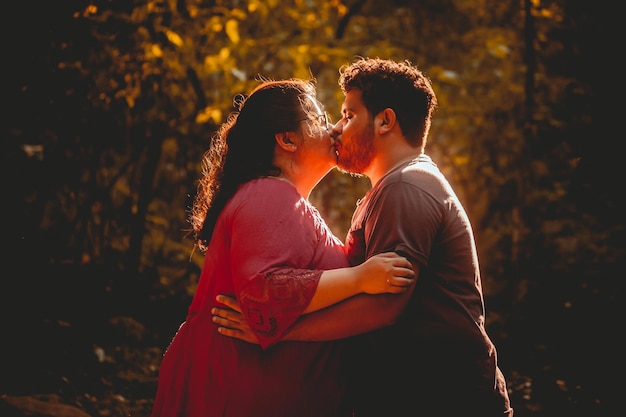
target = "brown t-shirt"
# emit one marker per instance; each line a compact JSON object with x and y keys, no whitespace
{"x":438,"y":355}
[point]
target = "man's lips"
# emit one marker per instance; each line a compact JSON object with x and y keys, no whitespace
{"x":337,"y":147}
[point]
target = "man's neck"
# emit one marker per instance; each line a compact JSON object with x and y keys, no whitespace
{"x":381,"y":166}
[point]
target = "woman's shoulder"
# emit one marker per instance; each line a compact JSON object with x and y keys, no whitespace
{"x":272,"y":188}
{"x":267,"y":192}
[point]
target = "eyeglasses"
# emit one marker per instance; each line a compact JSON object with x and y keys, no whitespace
{"x":322,"y":119}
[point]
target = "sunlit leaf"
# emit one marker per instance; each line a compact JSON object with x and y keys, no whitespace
{"x":174,"y":37}
{"x":209,"y":114}
{"x":156,"y":51}
{"x":232,"y":30}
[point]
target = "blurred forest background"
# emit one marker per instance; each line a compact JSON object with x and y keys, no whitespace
{"x":109,"y":105}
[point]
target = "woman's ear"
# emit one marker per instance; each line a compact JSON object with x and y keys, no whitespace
{"x":285,"y":141}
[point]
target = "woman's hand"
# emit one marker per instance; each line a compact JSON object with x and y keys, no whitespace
{"x":385,"y":273}
{"x":231,"y":322}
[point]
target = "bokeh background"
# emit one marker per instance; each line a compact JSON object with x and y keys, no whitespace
{"x":109,"y":105}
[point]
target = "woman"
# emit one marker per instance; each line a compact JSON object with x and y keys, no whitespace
{"x":266,"y":245}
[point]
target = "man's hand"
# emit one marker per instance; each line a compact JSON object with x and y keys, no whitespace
{"x":231,"y":321}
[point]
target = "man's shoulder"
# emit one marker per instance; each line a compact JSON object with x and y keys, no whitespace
{"x":415,"y":181}
{"x":413,"y":175}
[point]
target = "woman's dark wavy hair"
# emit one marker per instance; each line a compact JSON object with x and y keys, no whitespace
{"x":397,"y":85}
{"x":242,"y":149}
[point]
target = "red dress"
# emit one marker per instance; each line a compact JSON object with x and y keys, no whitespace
{"x":269,"y":248}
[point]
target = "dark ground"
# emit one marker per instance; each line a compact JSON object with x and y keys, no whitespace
{"x":68,"y":340}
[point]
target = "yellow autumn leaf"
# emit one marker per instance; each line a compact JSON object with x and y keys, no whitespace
{"x":253,"y":5}
{"x":238,"y":14}
{"x":224,"y":53}
{"x":232,"y":30}
{"x":156,"y":50}
{"x":212,"y":114}
{"x":212,"y":63}
{"x":174,"y":37}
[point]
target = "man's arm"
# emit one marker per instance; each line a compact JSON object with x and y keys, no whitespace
{"x":356,"y":315}
{"x":359,"y":314}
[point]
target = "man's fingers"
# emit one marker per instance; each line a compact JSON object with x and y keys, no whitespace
{"x":226,"y":331}
{"x":229,"y":302}
{"x":224,"y":314}
{"x":237,"y":334}
{"x":224,"y":322}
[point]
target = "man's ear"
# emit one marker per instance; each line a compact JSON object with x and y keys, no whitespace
{"x":387,"y":120}
{"x":285,"y":142}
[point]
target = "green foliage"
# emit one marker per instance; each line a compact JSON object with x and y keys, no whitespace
{"x":138,"y":88}
{"x":112,"y":103}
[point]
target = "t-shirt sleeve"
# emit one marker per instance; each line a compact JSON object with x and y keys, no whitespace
{"x":273,"y":240}
{"x":402,"y":218}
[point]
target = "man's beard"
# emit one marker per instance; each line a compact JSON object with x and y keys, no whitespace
{"x":358,"y":157}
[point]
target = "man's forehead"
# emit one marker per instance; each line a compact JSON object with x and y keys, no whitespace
{"x":352,"y":100}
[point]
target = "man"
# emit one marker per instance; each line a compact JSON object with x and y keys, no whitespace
{"x":425,"y":352}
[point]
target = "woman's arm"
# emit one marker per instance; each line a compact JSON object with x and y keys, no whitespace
{"x":272,"y":238}
{"x":356,"y":315}
{"x":383,"y":273}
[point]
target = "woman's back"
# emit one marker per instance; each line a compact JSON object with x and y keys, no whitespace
{"x":269,"y":247}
